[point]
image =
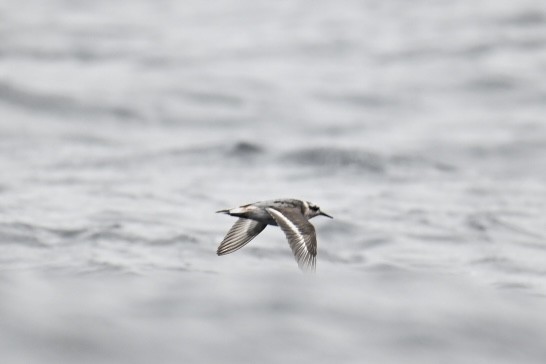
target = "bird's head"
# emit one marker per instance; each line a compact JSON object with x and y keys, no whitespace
{"x":313,"y":210}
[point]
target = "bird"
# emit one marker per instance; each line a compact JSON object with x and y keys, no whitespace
{"x":291,"y":215}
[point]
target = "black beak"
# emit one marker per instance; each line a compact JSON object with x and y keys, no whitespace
{"x":325,"y":214}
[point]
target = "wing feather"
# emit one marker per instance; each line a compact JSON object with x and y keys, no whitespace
{"x":300,"y":234}
{"x":240,"y":234}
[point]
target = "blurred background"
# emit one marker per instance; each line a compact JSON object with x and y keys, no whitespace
{"x":418,"y":125}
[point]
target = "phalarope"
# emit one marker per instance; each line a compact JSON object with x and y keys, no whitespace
{"x":290,"y":214}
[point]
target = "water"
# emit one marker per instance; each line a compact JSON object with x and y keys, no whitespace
{"x":419,"y":127}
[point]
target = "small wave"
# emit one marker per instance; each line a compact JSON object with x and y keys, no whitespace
{"x":179,"y":238}
{"x":211,"y":98}
{"x":330,"y":257}
{"x":337,"y":158}
{"x":246,"y":149}
{"x":61,"y":105}
{"x":416,"y":162}
{"x":491,"y":83}
{"x":81,"y":54}
{"x":511,"y":266}
{"x":177,"y":155}
{"x":357,"y":99}
{"x":108,"y":234}
{"x":238,"y":150}
{"x":20,"y":234}
{"x":102,"y":265}
{"x":114,"y":232}
{"x":510,"y":285}
{"x":525,"y":18}
{"x":35,"y":235}
{"x":88,"y":139}
{"x":487,"y":222}
{"x":232,"y":152}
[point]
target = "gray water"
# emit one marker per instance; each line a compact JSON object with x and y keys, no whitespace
{"x":418,"y":125}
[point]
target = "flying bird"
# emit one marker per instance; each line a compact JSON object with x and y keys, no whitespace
{"x":291,"y":215}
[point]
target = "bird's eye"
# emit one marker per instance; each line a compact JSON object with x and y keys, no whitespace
{"x":314,"y":208}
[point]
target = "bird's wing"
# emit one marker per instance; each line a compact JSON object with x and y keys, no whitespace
{"x":300,"y":234}
{"x":242,"y":232}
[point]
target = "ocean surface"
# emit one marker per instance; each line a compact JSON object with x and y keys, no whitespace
{"x":420,"y":126}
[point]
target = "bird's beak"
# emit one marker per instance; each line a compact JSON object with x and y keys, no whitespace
{"x":325,"y":214}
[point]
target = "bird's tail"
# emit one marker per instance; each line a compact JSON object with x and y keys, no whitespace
{"x":238,"y":211}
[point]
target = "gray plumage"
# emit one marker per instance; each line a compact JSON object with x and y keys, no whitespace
{"x":291,"y":215}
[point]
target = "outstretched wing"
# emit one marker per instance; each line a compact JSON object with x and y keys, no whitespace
{"x":300,"y":234}
{"x":242,"y":232}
